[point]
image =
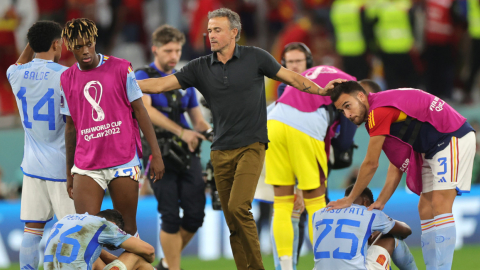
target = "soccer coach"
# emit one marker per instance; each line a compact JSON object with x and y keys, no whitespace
{"x":232,"y":81}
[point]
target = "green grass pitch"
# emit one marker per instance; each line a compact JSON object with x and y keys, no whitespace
{"x":466,"y":258}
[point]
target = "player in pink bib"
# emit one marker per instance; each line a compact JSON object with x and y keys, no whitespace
{"x":104,"y":109}
{"x":427,"y":139}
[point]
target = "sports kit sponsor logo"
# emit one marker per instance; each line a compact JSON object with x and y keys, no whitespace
{"x":381,"y":259}
{"x":442,"y":180}
{"x":439,"y":239}
{"x":93,"y":100}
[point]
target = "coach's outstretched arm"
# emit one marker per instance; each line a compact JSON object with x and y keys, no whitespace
{"x":70,"y":145}
{"x":303,"y":84}
{"x":367,"y":170}
{"x":159,"y":85}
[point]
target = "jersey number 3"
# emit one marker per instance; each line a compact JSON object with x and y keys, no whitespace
{"x":338,"y":235}
{"x":47,"y":98}
{"x":64,"y":240}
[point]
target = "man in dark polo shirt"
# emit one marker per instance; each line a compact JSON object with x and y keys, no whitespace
{"x":232,"y":81}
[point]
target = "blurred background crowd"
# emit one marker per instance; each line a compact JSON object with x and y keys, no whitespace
{"x":433,"y":45}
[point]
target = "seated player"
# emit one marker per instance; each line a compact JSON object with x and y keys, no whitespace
{"x":346,"y":247}
{"x":76,"y":242}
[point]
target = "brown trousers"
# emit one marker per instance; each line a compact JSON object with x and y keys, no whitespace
{"x":236,"y":176}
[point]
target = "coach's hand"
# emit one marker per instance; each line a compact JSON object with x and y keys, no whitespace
{"x":70,"y":186}
{"x":191,"y":138}
{"x":339,"y":204}
{"x":157,"y":168}
{"x":376,"y":205}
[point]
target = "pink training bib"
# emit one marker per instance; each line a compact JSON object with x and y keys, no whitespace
{"x":107,"y":133}
{"x":425,"y":108}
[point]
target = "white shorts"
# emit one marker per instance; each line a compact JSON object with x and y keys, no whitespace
{"x":452,"y":167}
{"x":41,"y":199}
{"x":105,"y":176}
{"x":378,"y":258}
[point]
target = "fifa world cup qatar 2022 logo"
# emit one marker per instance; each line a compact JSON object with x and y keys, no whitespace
{"x":96,"y":109}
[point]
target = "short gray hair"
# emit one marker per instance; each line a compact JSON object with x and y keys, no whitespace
{"x":232,"y":17}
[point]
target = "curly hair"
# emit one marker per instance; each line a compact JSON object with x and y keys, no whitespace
{"x":79,"y":28}
{"x":42,"y":34}
{"x":366,"y":193}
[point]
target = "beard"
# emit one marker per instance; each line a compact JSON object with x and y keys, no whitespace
{"x":362,"y":114}
{"x":166,"y":67}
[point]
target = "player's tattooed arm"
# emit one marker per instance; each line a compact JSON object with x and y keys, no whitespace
{"x":70,"y":145}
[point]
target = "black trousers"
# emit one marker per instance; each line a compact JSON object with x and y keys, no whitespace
{"x":399,"y":70}
{"x":439,"y":72}
{"x":474,"y":65}
{"x":356,"y":66}
{"x":184,"y":190}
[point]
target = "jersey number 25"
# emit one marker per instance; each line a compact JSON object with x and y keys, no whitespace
{"x":339,"y":235}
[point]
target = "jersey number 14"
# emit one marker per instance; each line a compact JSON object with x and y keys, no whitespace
{"x":47,"y":98}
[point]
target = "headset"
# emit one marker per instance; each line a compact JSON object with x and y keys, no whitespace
{"x":306,"y":50}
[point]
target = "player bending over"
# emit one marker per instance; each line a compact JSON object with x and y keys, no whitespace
{"x":104,"y":109}
{"x":36,"y":85}
{"x":342,"y":238}
{"x":427,"y":139}
{"x":76,"y":242}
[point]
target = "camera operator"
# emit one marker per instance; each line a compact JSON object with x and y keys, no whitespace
{"x":182,"y":184}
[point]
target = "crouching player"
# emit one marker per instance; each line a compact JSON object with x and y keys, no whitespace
{"x":76,"y":242}
{"x":346,"y":247}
